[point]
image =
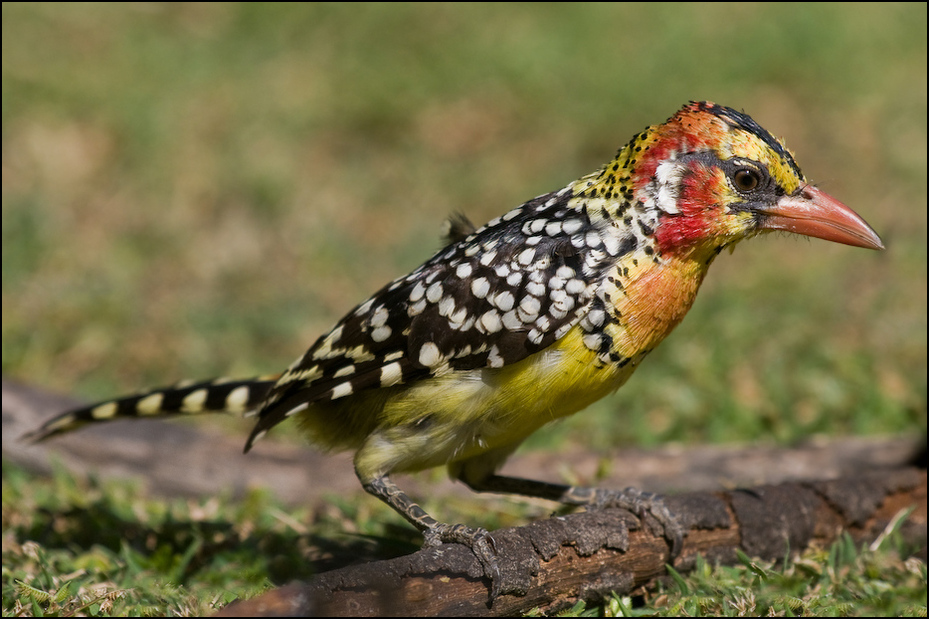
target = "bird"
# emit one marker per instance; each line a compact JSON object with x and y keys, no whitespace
{"x":525,"y":320}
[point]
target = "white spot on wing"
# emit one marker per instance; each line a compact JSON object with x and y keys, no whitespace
{"x":571,"y":226}
{"x":341,"y":390}
{"x":364,"y":308}
{"x":575,"y":286}
{"x":418,"y":291}
{"x":434,"y":292}
{"x":397,"y":354}
{"x":529,"y":308}
{"x":380,"y":334}
{"x":535,"y":336}
{"x":535,"y":289}
{"x":490,"y":320}
{"x":417,"y":308}
{"x":504,"y":300}
{"x":446,"y":306}
{"x":379,"y":318}
{"x":514,"y":213}
{"x":290,"y":413}
{"x":553,"y":228}
{"x":429,"y":354}
{"x":511,"y":321}
{"x":348,"y":370}
{"x":526,"y":256}
{"x":391,"y":374}
{"x":480,"y":287}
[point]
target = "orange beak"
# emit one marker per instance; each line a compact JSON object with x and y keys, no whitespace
{"x":812,"y":212}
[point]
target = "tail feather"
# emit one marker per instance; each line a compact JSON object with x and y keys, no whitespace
{"x":221,"y":395}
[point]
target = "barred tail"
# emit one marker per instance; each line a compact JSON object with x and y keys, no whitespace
{"x":222,"y":395}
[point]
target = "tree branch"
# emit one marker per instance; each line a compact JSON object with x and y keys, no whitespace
{"x":589,"y":555}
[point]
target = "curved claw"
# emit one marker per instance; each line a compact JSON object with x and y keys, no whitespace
{"x":642,"y":504}
{"x":479,"y":540}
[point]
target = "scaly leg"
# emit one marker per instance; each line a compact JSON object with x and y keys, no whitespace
{"x":437,"y":533}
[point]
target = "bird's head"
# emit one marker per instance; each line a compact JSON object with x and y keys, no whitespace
{"x":711,"y":176}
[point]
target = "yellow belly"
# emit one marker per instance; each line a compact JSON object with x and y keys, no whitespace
{"x":464,"y":414}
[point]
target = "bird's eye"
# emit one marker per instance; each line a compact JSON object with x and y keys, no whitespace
{"x":746,"y":179}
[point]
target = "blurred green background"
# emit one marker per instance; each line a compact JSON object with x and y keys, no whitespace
{"x":193,"y":190}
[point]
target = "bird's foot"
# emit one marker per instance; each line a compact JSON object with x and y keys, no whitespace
{"x":651,"y":510}
{"x":481,"y":543}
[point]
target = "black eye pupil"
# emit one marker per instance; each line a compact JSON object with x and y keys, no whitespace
{"x":746,"y":180}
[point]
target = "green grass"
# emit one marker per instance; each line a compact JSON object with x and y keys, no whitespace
{"x":193,"y":190}
{"x":843,"y":580}
{"x":105,"y":549}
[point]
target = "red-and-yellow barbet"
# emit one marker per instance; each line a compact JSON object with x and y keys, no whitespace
{"x":526,"y":319}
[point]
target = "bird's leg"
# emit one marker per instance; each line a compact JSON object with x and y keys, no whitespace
{"x":437,"y":533}
{"x":638,"y":502}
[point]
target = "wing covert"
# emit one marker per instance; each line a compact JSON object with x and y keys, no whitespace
{"x":509,"y":289}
